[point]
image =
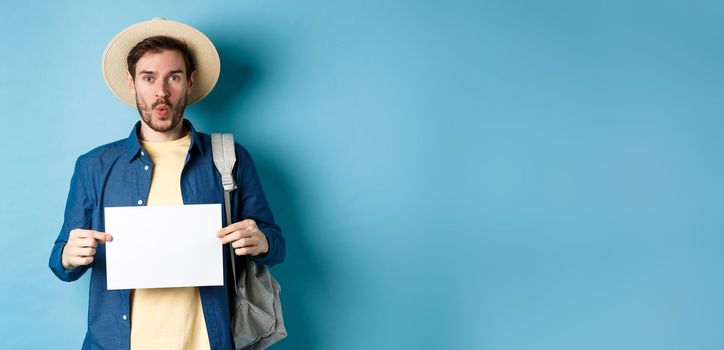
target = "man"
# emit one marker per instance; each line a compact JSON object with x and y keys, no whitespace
{"x":159,"y":66}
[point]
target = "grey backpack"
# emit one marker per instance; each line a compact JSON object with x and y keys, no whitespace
{"x":256,"y":317}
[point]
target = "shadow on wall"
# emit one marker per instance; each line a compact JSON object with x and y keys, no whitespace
{"x":240,"y":75}
{"x":301,"y":275}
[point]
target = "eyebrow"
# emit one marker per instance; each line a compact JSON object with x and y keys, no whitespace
{"x":154,"y":72}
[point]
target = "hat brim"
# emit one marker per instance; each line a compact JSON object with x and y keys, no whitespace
{"x":206,"y":59}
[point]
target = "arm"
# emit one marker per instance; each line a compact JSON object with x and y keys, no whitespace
{"x":75,"y":246}
{"x":254,"y":232}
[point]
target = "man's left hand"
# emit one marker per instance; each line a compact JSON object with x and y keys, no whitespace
{"x":245,"y":237}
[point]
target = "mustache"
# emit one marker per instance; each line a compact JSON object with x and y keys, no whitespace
{"x":161,"y":101}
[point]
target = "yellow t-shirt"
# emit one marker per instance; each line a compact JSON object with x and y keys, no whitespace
{"x":167,"y":318}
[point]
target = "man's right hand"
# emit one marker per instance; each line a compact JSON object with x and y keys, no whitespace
{"x":81,"y":247}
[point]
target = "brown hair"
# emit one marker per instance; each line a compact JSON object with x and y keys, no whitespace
{"x":157,"y":44}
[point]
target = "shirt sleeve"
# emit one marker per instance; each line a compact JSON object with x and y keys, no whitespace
{"x":78,"y":213}
{"x":251,"y":203}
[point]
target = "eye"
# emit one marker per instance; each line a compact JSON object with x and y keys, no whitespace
{"x":147,"y":78}
{"x":173,"y":78}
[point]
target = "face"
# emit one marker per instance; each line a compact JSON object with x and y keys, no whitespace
{"x":161,"y":89}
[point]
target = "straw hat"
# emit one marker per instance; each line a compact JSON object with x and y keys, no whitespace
{"x":208,"y":65}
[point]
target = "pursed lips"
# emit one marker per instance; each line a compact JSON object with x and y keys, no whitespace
{"x":161,"y":109}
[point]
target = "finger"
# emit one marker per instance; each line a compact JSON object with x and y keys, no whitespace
{"x":81,"y":260}
{"x":245,"y":234}
{"x":237,"y":226}
{"x":245,"y":242}
{"x":243,"y":251}
{"x":78,"y":247}
{"x":77,"y":233}
{"x":86,"y":251}
{"x":241,"y":225}
{"x":233,"y":236}
{"x":101,"y":237}
{"x":82,"y":233}
{"x":75,"y":252}
{"x":249,"y":224}
{"x":250,"y":231}
{"x":227,"y":230}
{"x":83,"y":242}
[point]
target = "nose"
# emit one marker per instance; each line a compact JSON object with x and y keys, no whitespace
{"x":162,"y":89}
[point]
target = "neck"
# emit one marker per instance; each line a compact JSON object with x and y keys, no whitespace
{"x":150,"y":135}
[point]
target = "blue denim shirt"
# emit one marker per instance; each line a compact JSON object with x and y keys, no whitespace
{"x":115,"y":175}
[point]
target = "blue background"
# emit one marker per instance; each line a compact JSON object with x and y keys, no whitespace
{"x":449,"y":174}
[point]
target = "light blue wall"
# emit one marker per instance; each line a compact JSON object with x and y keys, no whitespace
{"x":449,"y":174}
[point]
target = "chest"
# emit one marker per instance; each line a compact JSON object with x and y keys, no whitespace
{"x":129,"y":183}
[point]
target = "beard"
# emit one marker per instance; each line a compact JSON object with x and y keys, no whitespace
{"x":146,"y":113}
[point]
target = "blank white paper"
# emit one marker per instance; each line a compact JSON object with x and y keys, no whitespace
{"x":164,"y":246}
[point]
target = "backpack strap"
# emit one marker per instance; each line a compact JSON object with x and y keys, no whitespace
{"x":222,"y":148}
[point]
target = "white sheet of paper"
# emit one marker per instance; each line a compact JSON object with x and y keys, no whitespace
{"x":164,"y":246}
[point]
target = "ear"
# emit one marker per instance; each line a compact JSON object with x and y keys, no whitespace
{"x":191,"y":81}
{"x":131,"y":85}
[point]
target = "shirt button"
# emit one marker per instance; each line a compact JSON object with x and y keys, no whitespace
{"x":145,"y":167}
{"x":124,"y":317}
{"x":140,"y":202}
{"x":143,"y":154}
